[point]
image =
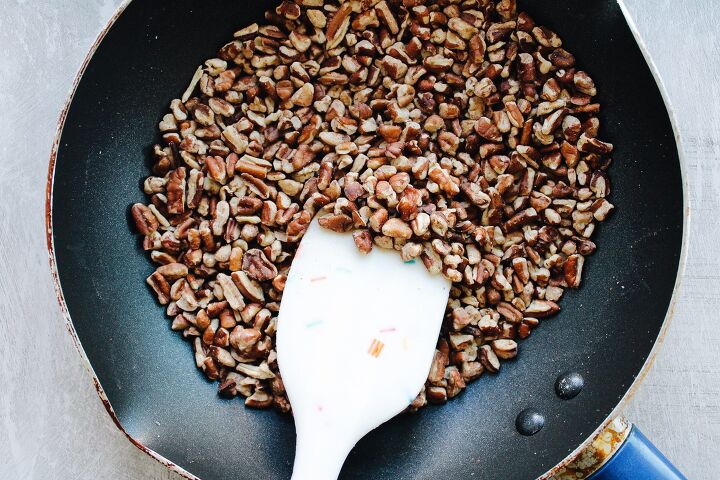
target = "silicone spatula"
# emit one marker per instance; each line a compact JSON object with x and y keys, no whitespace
{"x":355,"y":341}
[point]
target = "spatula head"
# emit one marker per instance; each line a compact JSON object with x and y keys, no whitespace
{"x":356,"y":336}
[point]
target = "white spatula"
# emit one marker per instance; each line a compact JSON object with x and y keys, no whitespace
{"x":356,"y":337}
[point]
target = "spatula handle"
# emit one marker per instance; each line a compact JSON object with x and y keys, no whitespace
{"x":319,"y":457}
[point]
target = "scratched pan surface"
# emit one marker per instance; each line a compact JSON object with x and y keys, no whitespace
{"x":605,"y":331}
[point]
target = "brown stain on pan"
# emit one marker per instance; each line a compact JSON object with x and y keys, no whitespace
{"x":184,"y":473}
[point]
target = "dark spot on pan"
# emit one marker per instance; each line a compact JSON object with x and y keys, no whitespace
{"x":529,"y":422}
{"x":568,"y":385}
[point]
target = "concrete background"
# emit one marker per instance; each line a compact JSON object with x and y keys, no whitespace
{"x":52,"y":424}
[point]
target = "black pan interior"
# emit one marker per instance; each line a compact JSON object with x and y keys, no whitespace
{"x":605,"y":330}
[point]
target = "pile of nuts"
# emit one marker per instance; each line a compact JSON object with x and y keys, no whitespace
{"x":457,"y":132}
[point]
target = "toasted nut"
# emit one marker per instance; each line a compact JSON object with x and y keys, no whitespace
{"x":363,"y":240}
{"x":338,"y":26}
{"x":438,"y":63}
{"x":396,"y":228}
{"x":317,"y":18}
{"x":249,"y":288}
{"x":145,"y":221}
{"x":573,"y":270}
{"x":244,"y":339}
{"x":231,"y":292}
{"x":475,"y":194}
{"x":436,"y":395}
{"x":303,"y":97}
{"x":261,"y":372}
{"x":509,"y":312}
{"x":486,"y":129}
{"x":257,"y":266}
{"x":161,"y":287}
{"x":434,"y":123}
{"x":505,"y":348}
{"x":541,"y":308}
{"x":173,"y":271}
{"x":386,"y":15}
{"x":593,"y":145}
{"x":601,"y":208}
{"x":489,"y":359}
{"x":337,"y":223}
{"x":437,"y":367}
{"x":463,"y":28}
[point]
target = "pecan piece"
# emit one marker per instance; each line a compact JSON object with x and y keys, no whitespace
{"x":509,"y":312}
{"x":474,"y":193}
{"x":249,"y":287}
{"x":601,"y":208}
{"x":541,"y":308}
{"x":173,"y":271}
{"x":336,"y":223}
{"x":176,"y":191}
{"x":505,"y":348}
{"x":338,"y":25}
{"x":573,"y":270}
{"x":489,"y":359}
{"x":363,"y":240}
{"x":438,"y":175}
{"x":487,"y":130}
{"x":259,"y":399}
{"x":257,"y":266}
{"x":525,"y":217}
{"x":593,"y":145}
{"x":145,"y":221}
{"x":436,"y":395}
{"x":396,"y":228}
{"x":438,"y":63}
{"x":161,"y":287}
{"x":244,"y":339}
{"x":231,"y":292}
{"x":437,"y":367}
{"x":386,"y":15}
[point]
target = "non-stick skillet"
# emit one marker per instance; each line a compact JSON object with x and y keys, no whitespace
{"x":145,"y":375}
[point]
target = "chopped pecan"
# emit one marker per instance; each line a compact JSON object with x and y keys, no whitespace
{"x":363,"y":240}
{"x":396,"y":228}
{"x":161,"y":287}
{"x":257,"y":266}
{"x":176,"y":191}
{"x":541,"y":308}
{"x":525,"y":217}
{"x":338,"y":25}
{"x":336,"y":222}
{"x":249,"y":287}
{"x":573,"y":270}
{"x":145,"y":221}
{"x":231,"y":292}
{"x":505,"y":348}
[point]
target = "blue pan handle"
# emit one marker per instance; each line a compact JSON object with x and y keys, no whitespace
{"x":637,"y":459}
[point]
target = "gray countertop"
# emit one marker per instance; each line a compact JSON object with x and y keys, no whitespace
{"x":52,"y":424}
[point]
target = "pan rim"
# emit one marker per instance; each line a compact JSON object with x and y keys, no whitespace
{"x":670,"y":314}
{"x":69,"y":326}
{"x":632,"y":388}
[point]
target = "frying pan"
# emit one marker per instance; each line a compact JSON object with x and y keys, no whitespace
{"x":145,"y":374}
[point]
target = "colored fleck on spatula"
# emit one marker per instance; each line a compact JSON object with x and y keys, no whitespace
{"x":356,"y":337}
